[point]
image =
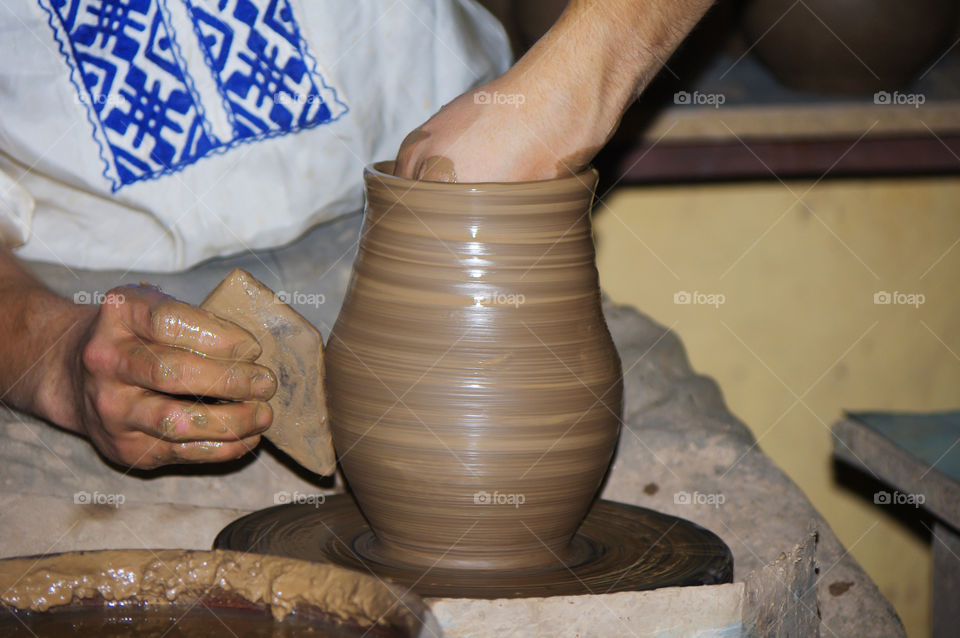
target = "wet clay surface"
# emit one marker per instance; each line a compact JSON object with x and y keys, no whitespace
{"x":620,"y":548}
{"x":438,"y":168}
{"x":293,"y":349}
{"x":575,"y":161}
{"x":158,"y":578}
{"x":435,"y":168}
{"x":473,"y":387}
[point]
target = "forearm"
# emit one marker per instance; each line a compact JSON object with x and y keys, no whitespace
{"x":624,"y":43}
{"x":39,"y":331}
{"x":601,"y":54}
{"x":559,"y":104}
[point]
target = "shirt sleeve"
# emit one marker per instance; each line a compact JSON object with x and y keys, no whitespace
{"x":16,"y":212}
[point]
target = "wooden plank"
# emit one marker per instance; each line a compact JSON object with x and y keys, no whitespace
{"x":784,"y":159}
{"x":862,"y":447}
{"x":946,"y":581}
{"x":932,"y":437}
{"x":844,"y":120}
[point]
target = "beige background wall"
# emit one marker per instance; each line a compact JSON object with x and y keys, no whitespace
{"x":798,"y":337}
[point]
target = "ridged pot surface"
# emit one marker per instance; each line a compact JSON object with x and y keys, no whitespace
{"x":474,"y":390}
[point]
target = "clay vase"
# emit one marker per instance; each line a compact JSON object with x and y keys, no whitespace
{"x":849,"y":46}
{"x":474,"y":390}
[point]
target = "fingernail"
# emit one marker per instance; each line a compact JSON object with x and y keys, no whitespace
{"x":264,"y":416}
{"x":264,"y":385}
{"x":247,"y":349}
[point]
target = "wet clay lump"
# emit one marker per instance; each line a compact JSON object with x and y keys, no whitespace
{"x":174,"y":621}
{"x":158,"y":578}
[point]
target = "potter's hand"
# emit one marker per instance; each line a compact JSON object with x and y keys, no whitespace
{"x":480,"y":138}
{"x":143,"y":360}
{"x":559,"y":104}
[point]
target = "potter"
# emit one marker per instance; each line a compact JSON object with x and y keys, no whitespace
{"x":126,"y":374}
{"x":94,"y":230}
{"x":440,"y":396}
{"x":471,"y":352}
{"x":152,"y":380}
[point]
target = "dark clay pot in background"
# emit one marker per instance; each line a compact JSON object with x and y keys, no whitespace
{"x":849,"y":46}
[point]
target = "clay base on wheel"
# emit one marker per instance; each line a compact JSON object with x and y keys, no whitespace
{"x":629,"y":549}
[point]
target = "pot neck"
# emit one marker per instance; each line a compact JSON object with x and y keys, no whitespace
{"x":534,"y":214}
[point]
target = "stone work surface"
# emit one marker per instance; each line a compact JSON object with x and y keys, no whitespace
{"x":666,"y":613}
{"x":777,"y":600}
{"x":679,"y":442}
{"x":680,"y":452}
{"x":780,"y":599}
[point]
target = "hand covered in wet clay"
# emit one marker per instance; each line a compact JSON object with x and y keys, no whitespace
{"x":551,"y":113}
{"x":474,"y":140}
{"x":139,"y":368}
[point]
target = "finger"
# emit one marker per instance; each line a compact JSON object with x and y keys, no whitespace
{"x":406,"y":165}
{"x":437,"y":168}
{"x":141,"y":451}
{"x":179,"y":421}
{"x":208,"y":451}
{"x":154,"y":316}
{"x":177,"y":371}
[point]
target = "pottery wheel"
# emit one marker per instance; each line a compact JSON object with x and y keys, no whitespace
{"x":630,"y":548}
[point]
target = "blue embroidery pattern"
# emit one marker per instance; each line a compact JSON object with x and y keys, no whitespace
{"x":149,"y":119}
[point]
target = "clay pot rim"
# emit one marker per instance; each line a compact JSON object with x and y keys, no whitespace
{"x":383,"y":172}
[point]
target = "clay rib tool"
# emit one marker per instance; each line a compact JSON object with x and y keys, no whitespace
{"x":293,"y":349}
